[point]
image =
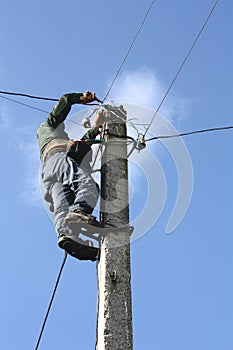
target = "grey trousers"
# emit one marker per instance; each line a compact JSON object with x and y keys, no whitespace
{"x":67,"y":187}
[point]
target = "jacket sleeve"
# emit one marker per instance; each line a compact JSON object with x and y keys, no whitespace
{"x":91,"y":135}
{"x":62,"y":109}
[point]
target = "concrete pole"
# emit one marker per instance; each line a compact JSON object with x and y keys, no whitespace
{"x":114,"y":319}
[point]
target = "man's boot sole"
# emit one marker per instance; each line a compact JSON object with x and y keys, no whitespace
{"x":77,"y":250}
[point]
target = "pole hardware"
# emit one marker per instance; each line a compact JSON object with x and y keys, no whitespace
{"x":113,"y":275}
{"x":86,"y":123}
{"x":140,"y":143}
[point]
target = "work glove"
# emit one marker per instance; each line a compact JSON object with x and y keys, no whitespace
{"x":89,"y":97}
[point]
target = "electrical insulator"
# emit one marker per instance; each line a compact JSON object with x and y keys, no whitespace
{"x":141,"y":143}
{"x":86,"y":123}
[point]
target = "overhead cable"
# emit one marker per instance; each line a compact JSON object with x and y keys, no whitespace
{"x":182,"y":65}
{"x":33,"y":97}
{"x":24,"y":104}
{"x":189,"y":133}
{"x":51,"y":301}
{"x":30,"y":96}
{"x":32,"y":107}
{"x":152,"y":138}
{"x":129,"y":49}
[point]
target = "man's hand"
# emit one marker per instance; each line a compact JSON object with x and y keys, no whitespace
{"x":99,"y":118}
{"x":89,"y":97}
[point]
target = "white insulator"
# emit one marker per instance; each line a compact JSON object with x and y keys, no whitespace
{"x":86,"y":123}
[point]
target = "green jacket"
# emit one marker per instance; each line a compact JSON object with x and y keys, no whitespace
{"x":54,"y":126}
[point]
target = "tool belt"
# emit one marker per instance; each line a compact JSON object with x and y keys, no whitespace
{"x":79,"y":151}
{"x":56,"y":145}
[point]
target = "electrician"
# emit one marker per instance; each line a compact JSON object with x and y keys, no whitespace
{"x":69,"y":187}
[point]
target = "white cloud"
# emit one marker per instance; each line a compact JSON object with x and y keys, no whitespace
{"x":139,"y":87}
{"x":142,"y":87}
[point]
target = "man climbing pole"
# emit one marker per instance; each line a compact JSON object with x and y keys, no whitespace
{"x":69,"y":187}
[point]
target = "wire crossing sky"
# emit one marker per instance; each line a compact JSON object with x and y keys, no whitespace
{"x":129,"y":50}
{"x":181,"y":66}
{"x":51,"y":301}
{"x":150,"y":139}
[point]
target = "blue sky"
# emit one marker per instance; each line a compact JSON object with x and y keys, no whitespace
{"x":182,"y":282}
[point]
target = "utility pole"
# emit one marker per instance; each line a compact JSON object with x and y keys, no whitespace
{"x":114,"y":319}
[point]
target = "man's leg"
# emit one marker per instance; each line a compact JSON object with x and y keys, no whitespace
{"x":63,"y":197}
{"x":57,"y":175}
{"x":86,"y":191}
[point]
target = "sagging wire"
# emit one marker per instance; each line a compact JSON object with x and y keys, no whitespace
{"x":190,"y":133}
{"x":36,"y":108}
{"x":34,"y":97}
{"x":41,"y":98}
{"x":29,"y":96}
{"x":24,"y":104}
{"x":140,"y":143}
{"x":51,"y":301}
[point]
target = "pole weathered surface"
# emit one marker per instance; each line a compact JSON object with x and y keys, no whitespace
{"x":114,"y":319}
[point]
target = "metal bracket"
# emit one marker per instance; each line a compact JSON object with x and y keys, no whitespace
{"x":113,"y":275}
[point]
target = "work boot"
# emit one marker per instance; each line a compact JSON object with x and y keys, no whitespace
{"x":84,"y":251}
{"x":78,"y":217}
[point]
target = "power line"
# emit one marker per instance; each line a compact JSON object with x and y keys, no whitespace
{"x":33,"y":97}
{"x":137,"y":142}
{"x":51,"y":301}
{"x":128,"y":51}
{"x":32,"y":107}
{"x":119,"y":69}
{"x":190,"y":133}
{"x":24,"y":104}
{"x":30,"y":96}
{"x":152,"y":138}
{"x":181,"y":66}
